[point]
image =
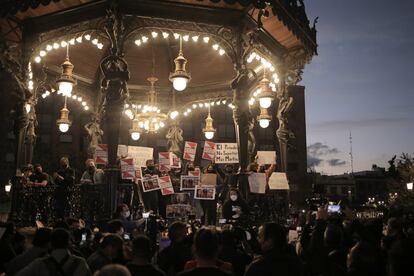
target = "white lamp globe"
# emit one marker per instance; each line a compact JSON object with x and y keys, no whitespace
{"x":135,"y":136}
{"x":265,"y":102}
{"x":180,"y":83}
{"x":7,"y":188}
{"x":65,"y":88}
{"x":173,"y":115}
{"x":264,"y":123}
{"x":209,"y":134}
{"x":409,"y":186}
{"x":64,"y":127}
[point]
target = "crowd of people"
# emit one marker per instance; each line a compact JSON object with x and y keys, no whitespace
{"x":326,"y":244}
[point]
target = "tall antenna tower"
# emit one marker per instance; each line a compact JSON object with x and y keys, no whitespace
{"x":351,"y":152}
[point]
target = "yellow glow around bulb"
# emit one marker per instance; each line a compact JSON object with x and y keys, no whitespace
{"x":135,"y":136}
{"x":265,"y":102}
{"x":165,"y":34}
{"x":264,"y":123}
{"x":209,"y":135}
{"x":42,"y":53}
{"x":206,"y":39}
{"x":38,"y":59}
{"x":49,"y":48}
{"x":63,"y":128}
{"x":179,"y":83}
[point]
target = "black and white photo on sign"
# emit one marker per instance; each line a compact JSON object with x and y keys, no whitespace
{"x":189,"y":182}
{"x":150,"y":183}
{"x":205,"y":193}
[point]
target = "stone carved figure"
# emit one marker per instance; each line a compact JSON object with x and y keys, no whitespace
{"x":174,"y":138}
{"x":283,"y":133}
{"x":252,"y":139}
{"x":30,"y":133}
{"x":95,"y":133}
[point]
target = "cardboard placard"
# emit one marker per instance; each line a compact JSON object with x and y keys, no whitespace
{"x":257,"y":183}
{"x":150,"y":183}
{"x":278,"y":181}
{"x":226,"y":153}
{"x":101,"y":154}
{"x":166,"y":185}
{"x":188,"y":182}
{"x":266,"y":157}
{"x":190,"y":149}
{"x":140,"y":154}
{"x":208,"y":179}
{"x":205,"y":193}
{"x":127,"y":168}
{"x":209,"y":151}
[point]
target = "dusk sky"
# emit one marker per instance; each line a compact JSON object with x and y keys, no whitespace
{"x":361,"y":81}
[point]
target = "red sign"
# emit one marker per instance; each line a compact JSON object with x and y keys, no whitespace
{"x":101,"y":154}
{"x":190,"y":149}
{"x":209,"y":151}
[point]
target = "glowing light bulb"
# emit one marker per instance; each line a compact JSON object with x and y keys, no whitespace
{"x":154,"y":34}
{"x":209,"y":135}
{"x":79,"y":39}
{"x":135,"y":136}
{"x":42,"y":53}
{"x":162,"y":124}
{"x":215,"y":47}
{"x":173,"y":114}
{"x":79,"y":99}
{"x":100,"y":46}
{"x":195,"y":38}
{"x":165,"y":34}
{"x":95,"y":41}
{"x":186,"y":37}
{"x":28,"y":107}
{"x":65,"y":88}
{"x":176,"y":35}
{"x":144,"y":39}
{"x":88,"y":37}
{"x":37,"y":59}
{"x":265,"y":102}
{"x":206,"y":39}
{"x":138,"y":42}
{"x":72,"y":41}
{"x":64,"y":127}
{"x":221,"y":52}
{"x":63,"y":44}
{"x":56,"y":45}
{"x":49,"y":48}
{"x":86,"y":107}
{"x":180,"y":83}
{"x":74,"y":97}
{"x":264,"y":123}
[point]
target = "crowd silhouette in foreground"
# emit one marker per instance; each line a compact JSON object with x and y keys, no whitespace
{"x":326,"y":244}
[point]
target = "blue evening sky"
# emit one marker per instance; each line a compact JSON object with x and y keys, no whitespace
{"x":361,"y":81}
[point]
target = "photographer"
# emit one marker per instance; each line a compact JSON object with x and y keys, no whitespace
{"x":123,"y":214}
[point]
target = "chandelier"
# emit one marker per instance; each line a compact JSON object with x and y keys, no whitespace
{"x":150,"y":119}
{"x":180,"y":77}
{"x":266,"y":95}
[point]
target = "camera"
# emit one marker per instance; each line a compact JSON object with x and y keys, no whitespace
{"x":146,"y":215}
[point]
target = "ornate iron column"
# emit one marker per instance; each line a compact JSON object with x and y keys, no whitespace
{"x":114,"y":86}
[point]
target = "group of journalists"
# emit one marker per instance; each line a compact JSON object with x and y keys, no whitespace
{"x":142,"y":242}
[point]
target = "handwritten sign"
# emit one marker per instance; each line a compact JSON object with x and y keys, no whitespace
{"x":140,"y":154}
{"x":257,"y":183}
{"x":190,"y":149}
{"x":127,"y":168}
{"x":209,"y":151}
{"x":227,"y":153}
{"x":278,"y":181}
{"x":101,"y":154}
{"x":266,"y":157}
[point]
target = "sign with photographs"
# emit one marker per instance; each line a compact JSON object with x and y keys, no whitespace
{"x":127,"y":168}
{"x":181,"y":198}
{"x":176,"y":161}
{"x":208,"y":179}
{"x":140,"y":154}
{"x":101,"y":154}
{"x":205,"y":193}
{"x":166,"y":185}
{"x":278,"y":181}
{"x":227,"y":153}
{"x":189,"y":182}
{"x":150,"y":183}
{"x":266,"y":157}
{"x":190,"y":149}
{"x":257,"y":183}
{"x":209,"y":151}
{"x":178,"y":210}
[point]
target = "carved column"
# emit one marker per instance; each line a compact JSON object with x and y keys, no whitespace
{"x":175,"y":138}
{"x":242,"y":121}
{"x":114,"y":86}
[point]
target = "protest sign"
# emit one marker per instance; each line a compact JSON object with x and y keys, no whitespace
{"x":194,"y":173}
{"x":140,"y":154}
{"x":278,"y":181}
{"x":166,"y":185}
{"x":257,"y":183}
{"x":188,"y":182}
{"x":165,"y":158}
{"x":127,"y":168}
{"x":101,"y":154}
{"x":122,"y":151}
{"x":176,"y":161}
{"x":138,"y":172}
{"x":150,"y":183}
{"x":227,"y":153}
{"x":178,"y":210}
{"x":266,"y":157}
{"x":190,"y":149}
{"x":209,"y":151}
{"x":205,"y":193}
{"x":208,"y":179}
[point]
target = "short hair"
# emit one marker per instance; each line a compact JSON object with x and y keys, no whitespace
{"x":275,"y":232}
{"x":206,"y":243}
{"x":89,"y":160}
{"x":175,"y":228}
{"x":60,"y":238}
{"x":37,"y":166}
{"x":112,"y":240}
{"x":42,"y":237}
{"x":113,"y":270}
{"x":141,"y":247}
{"x":114,"y":225}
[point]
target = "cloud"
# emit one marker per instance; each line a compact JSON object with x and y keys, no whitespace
{"x":336,"y":162}
{"x":314,"y":161}
{"x":319,"y":149}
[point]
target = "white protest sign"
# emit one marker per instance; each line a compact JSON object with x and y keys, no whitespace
{"x":190,"y":149}
{"x":257,"y":183}
{"x":278,"y":181}
{"x":266,"y":157}
{"x":122,"y":151}
{"x":140,"y":154}
{"x":227,"y":153}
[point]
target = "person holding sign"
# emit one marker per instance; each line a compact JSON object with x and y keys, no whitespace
{"x":153,"y":200}
{"x":209,"y":206}
{"x":235,"y":208}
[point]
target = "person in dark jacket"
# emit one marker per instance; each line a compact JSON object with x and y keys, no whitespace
{"x":64,"y":178}
{"x":277,"y":257}
{"x":235,"y":208}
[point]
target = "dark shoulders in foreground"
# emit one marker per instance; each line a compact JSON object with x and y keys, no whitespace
{"x":201,"y":271}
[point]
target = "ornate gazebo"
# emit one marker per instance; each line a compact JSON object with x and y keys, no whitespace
{"x":238,"y":54}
